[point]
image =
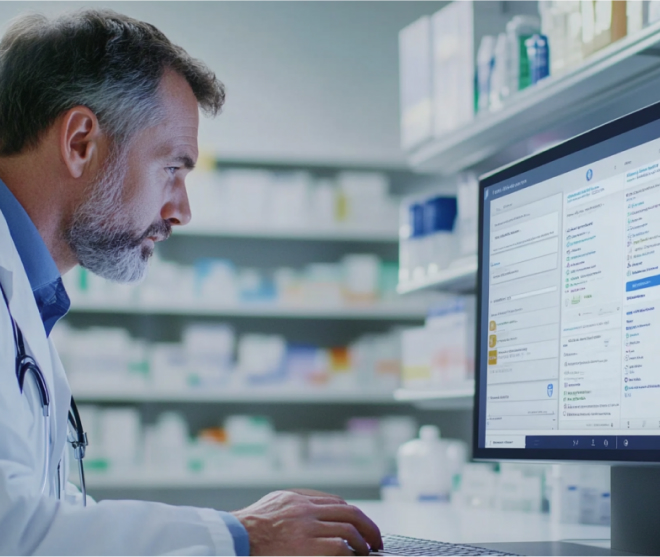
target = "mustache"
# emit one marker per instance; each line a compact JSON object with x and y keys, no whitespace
{"x":124,"y":240}
{"x":161,"y":230}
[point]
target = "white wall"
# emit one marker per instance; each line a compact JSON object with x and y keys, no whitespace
{"x":306,"y":81}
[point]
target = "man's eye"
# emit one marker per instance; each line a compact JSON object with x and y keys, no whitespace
{"x":172,"y":169}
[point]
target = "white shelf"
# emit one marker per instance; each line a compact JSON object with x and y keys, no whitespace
{"x":604,"y":79}
{"x":232,"y":395}
{"x":319,"y":478}
{"x":461,"y":397}
{"x":384,"y":311}
{"x":321,"y":234}
{"x":461,"y":278}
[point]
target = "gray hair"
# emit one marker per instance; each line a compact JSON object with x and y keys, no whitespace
{"x":108,"y":62}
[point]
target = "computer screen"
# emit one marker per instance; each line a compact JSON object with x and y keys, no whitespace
{"x":568,"y":362}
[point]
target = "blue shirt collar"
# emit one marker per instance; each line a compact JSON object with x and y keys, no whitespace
{"x":40,"y":268}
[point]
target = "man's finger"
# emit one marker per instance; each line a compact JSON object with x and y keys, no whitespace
{"x":331,"y":546}
{"x":315,"y":493}
{"x":326,"y":501}
{"x":348,"y":513}
{"x":345,"y":531}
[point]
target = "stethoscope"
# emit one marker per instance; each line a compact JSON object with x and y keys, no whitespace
{"x":26,"y":364}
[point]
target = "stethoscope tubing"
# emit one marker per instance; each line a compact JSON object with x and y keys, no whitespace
{"x":44,"y":480}
{"x":24,"y":364}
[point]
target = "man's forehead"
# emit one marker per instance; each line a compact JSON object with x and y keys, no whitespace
{"x":179,"y":148}
{"x":175,"y":135}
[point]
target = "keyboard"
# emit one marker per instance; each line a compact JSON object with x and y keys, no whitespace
{"x":402,"y":545}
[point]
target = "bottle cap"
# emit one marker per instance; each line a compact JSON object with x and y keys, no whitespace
{"x":440,"y":214}
{"x":416,"y":212}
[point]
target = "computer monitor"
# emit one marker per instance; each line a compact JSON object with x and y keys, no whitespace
{"x":568,"y":358}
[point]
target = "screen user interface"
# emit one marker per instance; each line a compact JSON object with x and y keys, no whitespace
{"x":570,"y":317}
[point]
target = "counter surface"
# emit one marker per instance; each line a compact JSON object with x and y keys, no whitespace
{"x":449,"y":523}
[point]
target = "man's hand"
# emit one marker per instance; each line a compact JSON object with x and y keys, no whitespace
{"x":307,"y":522}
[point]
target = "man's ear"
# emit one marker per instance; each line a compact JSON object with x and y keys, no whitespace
{"x":80,"y":140}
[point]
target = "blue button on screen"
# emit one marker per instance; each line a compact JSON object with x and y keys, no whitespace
{"x":643,"y":283}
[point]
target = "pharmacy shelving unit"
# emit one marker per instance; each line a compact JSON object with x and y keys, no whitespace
{"x":335,"y":234}
{"x":618,"y":79}
{"x":248,"y":395}
{"x":229,"y":489}
{"x":384,"y":311}
{"x":459,"y":397}
{"x":460,"y":278}
{"x":321,"y":477}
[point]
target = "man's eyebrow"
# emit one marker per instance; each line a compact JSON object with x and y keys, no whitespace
{"x":186,"y":161}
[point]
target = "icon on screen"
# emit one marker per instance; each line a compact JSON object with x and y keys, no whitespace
{"x":550,"y":389}
{"x":590,"y":174}
{"x":486,"y":194}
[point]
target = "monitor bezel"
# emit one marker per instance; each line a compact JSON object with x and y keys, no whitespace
{"x":587,"y":139}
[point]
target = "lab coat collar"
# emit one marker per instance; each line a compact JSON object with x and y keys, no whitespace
{"x":38,"y":263}
{"x":40,"y":268}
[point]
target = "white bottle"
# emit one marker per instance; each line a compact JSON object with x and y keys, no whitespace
{"x":485,"y":65}
{"x":422,"y":469}
{"x":499,"y":85}
{"x":594,"y":495}
{"x":564,"y":492}
{"x":518,"y":30}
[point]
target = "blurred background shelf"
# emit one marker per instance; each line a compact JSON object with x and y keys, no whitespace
{"x":320,"y":234}
{"x":460,"y":279}
{"x":322,"y":477}
{"x":620,"y":78}
{"x":405,"y":311}
{"x":461,"y":397}
{"x":253,"y":394}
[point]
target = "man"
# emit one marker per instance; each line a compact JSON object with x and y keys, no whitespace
{"x":98,"y":130}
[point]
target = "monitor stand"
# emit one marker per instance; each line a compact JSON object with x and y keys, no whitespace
{"x":636,"y":509}
{"x":635,"y":520}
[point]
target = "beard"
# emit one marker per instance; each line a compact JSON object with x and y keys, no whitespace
{"x":101,"y":234}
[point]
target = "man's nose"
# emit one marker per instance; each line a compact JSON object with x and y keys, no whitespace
{"x":177,"y":209}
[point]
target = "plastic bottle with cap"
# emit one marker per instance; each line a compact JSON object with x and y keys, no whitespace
{"x":518,"y":30}
{"x":485,"y":66}
{"x":439,"y":240}
{"x":422,"y":469}
{"x":539,"y":57}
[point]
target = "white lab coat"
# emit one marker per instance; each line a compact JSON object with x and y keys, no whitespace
{"x":31,"y":523}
